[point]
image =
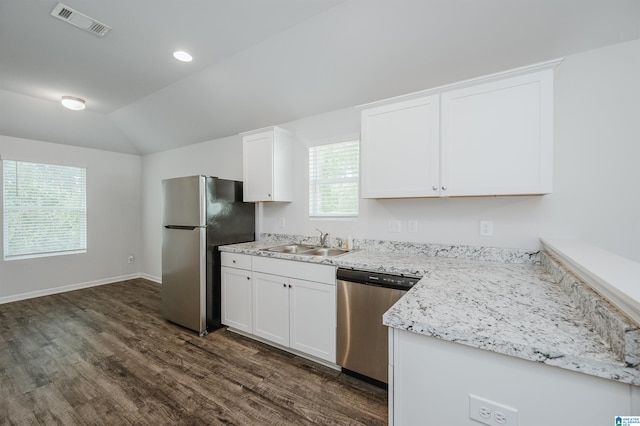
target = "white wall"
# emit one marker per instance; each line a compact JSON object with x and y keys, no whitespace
{"x":596,"y":173}
{"x":597,"y":151}
{"x":595,"y":198}
{"x":113,"y":222}
{"x":221,"y":158}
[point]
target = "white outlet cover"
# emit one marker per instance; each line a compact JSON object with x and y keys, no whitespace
{"x":486,"y":228}
{"x":491,"y":413}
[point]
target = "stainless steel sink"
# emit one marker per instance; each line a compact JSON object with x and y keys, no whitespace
{"x":328,"y":252}
{"x":290,"y":248}
{"x":307,"y":250}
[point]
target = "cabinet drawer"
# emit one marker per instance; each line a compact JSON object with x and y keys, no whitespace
{"x":235,"y":260}
{"x":301,"y":270}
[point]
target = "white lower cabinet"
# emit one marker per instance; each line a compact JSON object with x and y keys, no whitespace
{"x":312,"y":316}
{"x":237,"y":298}
{"x":291,"y":304}
{"x":271,"y":308}
{"x":296,"y":313}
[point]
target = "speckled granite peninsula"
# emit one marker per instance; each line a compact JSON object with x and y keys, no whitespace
{"x":511,"y":305}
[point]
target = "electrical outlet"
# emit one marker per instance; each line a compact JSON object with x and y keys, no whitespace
{"x":412,"y":225}
{"x":486,"y":228}
{"x":491,"y":413}
{"x":500,"y":417}
{"x":282,"y":222}
{"x":395,"y":225}
{"x":131,"y":258}
{"x":484,"y":412}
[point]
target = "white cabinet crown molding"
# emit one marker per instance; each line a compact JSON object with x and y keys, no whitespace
{"x":265,"y":129}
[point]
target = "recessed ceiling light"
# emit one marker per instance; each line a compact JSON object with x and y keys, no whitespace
{"x":182,"y":56}
{"x":73,"y":103}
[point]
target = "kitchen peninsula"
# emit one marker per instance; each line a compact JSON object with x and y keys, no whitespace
{"x":501,"y":328}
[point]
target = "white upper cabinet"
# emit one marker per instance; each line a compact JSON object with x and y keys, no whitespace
{"x":400,"y":149}
{"x":497,"y":138}
{"x":489,"y":136}
{"x":267,"y":165}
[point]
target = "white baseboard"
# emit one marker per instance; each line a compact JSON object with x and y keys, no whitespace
{"x":65,"y":288}
{"x":285,"y":348}
{"x":151,"y":278}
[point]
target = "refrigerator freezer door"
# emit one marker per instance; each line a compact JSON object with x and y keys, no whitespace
{"x":184,"y":277}
{"x":229,"y":220}
{"x":183,"y":201}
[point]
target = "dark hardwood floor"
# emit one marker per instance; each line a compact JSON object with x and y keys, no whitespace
{"x":105,"y":356}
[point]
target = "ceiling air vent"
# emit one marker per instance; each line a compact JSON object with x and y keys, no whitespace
{"x":80,"y":20}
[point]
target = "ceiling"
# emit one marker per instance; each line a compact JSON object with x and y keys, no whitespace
{"x":264,"y":62}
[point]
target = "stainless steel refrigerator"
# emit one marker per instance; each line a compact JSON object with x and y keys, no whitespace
{"x":199,"y":213}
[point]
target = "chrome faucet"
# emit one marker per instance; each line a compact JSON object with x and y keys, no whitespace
{"x":323,"y":237}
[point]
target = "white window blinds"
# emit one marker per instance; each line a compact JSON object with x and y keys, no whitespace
{"x":333,"y":179}
{"x":45,"y":209}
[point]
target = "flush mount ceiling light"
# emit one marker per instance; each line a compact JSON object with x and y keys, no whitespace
{"x":73,"y":103}
{"x":182,"y":56}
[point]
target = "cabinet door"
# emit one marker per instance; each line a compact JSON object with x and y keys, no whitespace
{"x":313,"y":318}
{"x":257,"y":169}
{"x":497,"y":137}
{"x":400,"y":149}
{"x":237,"y":309}
{"x":271,"y":308}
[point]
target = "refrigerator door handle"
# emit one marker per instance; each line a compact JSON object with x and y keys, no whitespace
{"x":186,"y":228}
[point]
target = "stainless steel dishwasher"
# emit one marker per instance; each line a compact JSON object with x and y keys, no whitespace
{"x":362,"y":347}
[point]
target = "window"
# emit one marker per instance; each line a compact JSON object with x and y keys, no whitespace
{"x":45,"y":209}
{"x":333,"y":179}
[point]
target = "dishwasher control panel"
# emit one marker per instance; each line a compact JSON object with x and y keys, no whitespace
{"x":377,"y":278}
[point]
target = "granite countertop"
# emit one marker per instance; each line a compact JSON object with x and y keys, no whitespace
{"x":508,"y":308}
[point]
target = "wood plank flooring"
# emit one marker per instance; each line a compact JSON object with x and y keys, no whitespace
{"x":105,"y":356}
